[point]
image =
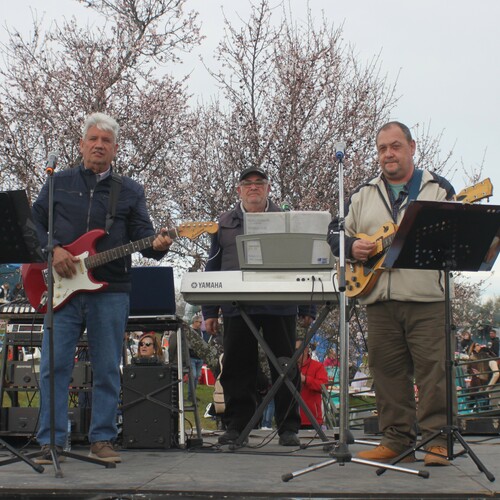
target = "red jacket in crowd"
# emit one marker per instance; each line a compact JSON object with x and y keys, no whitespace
{"x":315,"y":375}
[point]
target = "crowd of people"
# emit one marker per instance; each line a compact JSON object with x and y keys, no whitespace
{"x":8,"y":294}
{"x":405,"y":308}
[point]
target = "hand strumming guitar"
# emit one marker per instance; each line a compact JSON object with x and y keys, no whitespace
{"x":64,"y":262}
{"x":361,"y":250}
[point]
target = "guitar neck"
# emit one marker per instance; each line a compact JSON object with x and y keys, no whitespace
{"x":102,"y":258}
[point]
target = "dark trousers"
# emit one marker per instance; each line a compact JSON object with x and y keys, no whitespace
{"x":240,"y":368}
{"x":406,"y":346}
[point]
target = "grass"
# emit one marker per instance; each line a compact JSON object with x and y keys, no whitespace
{"x":204,"y":393}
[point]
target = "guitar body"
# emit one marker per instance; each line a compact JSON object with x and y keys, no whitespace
{"x":34,"y":275}
{"x":362,"y":276}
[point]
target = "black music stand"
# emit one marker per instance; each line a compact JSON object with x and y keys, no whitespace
{"x":447,"y":236}
{"x":26,"y":249}
{"x":19,"y":245}
{"x":19,"y":240}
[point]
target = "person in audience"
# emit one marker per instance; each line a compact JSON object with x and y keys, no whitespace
{"x":196,"y":361}
{"x":312,"y":378}
{"x":149,"y":346}
{"x":17,"y":292}
{"x":4,"y":292}
{"x":485,"y":375}
{"x":331,"y":359}
{"x":493,"y":343}
{"x":466,"y":341}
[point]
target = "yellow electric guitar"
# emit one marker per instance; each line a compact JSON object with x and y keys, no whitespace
{"x":362,"y":276}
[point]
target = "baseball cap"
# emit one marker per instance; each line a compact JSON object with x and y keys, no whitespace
{"x":253,"y":170}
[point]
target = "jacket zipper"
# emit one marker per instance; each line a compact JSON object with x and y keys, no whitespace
{"x":90,"y":206}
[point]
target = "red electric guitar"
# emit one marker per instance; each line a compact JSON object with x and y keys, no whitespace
{"x":34,"y":275}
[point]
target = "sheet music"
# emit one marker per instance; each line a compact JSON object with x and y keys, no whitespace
{"x":265,"y":223}
{"x":254,"y":252}
{"x":309,"y":222}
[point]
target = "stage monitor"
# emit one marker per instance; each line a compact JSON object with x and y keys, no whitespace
{"x":153,"y":292}
{"x":285,"y":240}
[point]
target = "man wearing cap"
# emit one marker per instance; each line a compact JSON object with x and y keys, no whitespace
{"x":277,"y":322}
{"x":493,"y":343}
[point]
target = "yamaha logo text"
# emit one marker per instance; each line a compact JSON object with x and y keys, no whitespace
{"x":207,"y":284}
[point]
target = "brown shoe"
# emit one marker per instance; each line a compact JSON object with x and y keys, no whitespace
{"x":45,"y":457}
{"x":103,"y":450}
{"x":383,"y":454}
{"x":439,"y":458}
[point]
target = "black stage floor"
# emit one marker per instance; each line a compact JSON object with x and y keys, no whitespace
{"x":254,"y":471}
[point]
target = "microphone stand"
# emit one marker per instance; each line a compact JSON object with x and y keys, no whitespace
{"x":340,"y":453}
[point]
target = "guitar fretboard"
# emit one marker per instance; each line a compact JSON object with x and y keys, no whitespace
{"x":106,"y":256}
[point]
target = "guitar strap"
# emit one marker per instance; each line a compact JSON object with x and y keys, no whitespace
{"x":116,"y":186}
{"x":415,"y":185}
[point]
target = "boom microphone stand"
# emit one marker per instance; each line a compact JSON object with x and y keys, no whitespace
{"x":341,"y":454}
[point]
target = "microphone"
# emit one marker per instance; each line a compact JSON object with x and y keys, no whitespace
{"x":339,"y":150}
{"x":286,"y":206}
{"x":51,"y":164}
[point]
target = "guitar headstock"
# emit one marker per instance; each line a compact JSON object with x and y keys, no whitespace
{"x":192,"y":230}
{"x":479,"y":191}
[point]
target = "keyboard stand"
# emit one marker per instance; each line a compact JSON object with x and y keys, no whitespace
{"x":283,"y":370}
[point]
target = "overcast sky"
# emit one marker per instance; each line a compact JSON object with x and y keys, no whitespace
{"x":444,"y":54}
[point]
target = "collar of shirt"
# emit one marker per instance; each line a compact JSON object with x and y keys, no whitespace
{"x":100,"y":177}
{"x":244,"y":211}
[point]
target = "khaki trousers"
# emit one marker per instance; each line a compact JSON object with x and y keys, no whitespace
{"x":406,"y":344}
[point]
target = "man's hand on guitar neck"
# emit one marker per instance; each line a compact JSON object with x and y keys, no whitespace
{"x":361,"y":250}
{"x":64,"y":262}
{"x":163,"y":241}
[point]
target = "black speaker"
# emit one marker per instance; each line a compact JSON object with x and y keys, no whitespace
{"x":147,"y":409}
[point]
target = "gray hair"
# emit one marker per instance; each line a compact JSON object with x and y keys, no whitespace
{"x":102,"y":122}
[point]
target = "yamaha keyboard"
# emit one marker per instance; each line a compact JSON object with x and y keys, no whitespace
{"x":259,"y":287}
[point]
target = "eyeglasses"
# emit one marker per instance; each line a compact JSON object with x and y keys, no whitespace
{"x":147,"y":344}
{"x":258,"y":183}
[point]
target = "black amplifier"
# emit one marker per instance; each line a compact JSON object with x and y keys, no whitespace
{"x":21,"y":374}
{"x":82,"y":375}
{"x":25,"y":335}
{"x":147,"y":406}
{"x":22,"y":420}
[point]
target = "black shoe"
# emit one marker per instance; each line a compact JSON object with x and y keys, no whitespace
{"x":230,"y":437}
{"x":46,"y":457}
{"x":289,"y":438}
